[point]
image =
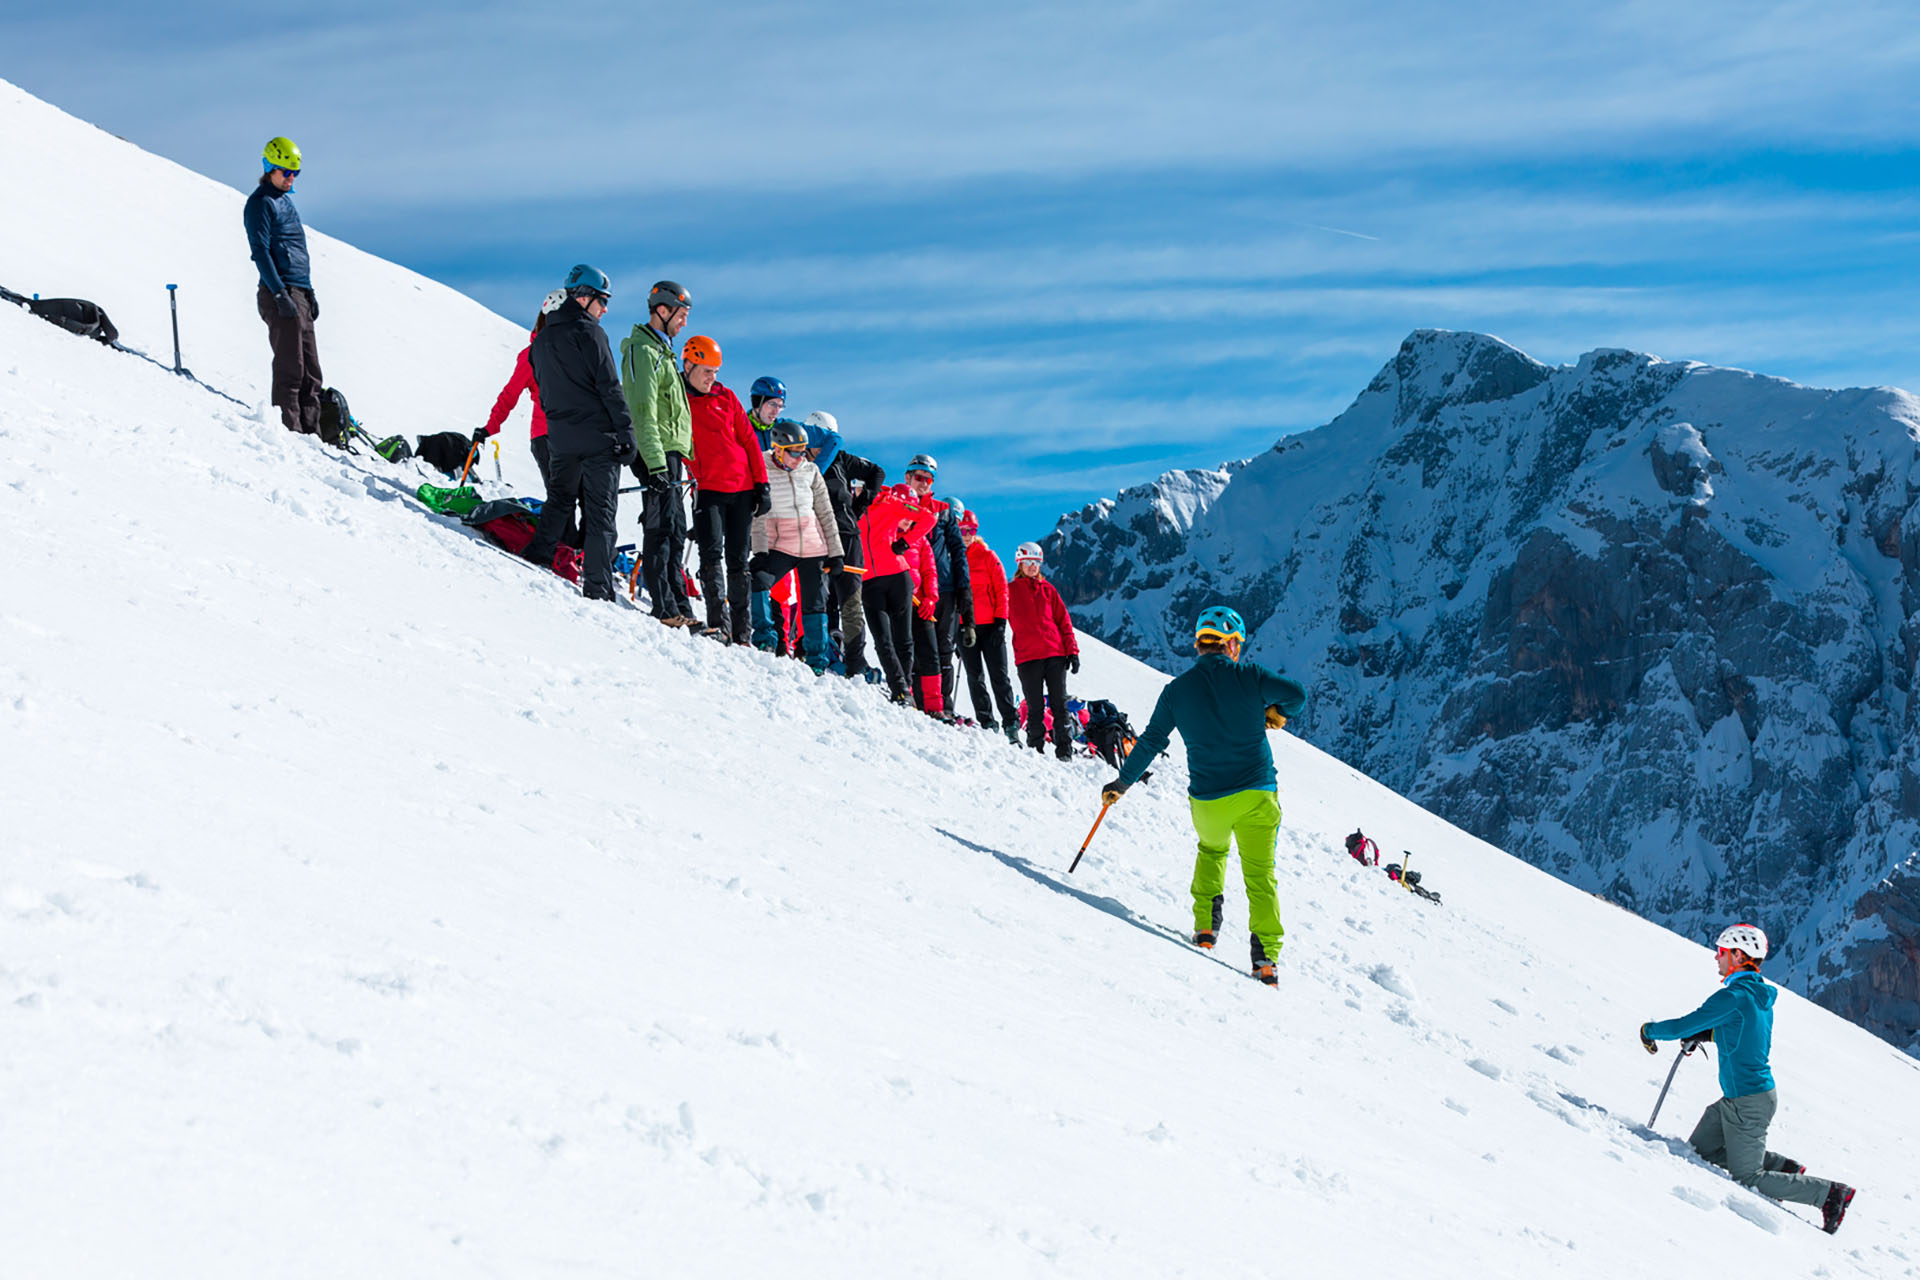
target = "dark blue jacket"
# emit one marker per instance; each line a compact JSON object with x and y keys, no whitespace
{"x":278,"y":241}
{"x":1740,"y":1015}
{"x":950,"y":563}
{"x":1220,"y":708}
{"x":580,"y":386}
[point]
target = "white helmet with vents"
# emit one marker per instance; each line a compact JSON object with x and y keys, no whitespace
{"x":1744,"y":937}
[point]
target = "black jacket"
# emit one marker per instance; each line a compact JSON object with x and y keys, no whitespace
{"x":950,"y":562}
{"x":580,"y":386}
{"x":848,"y":468}
{"x":276,"y":239}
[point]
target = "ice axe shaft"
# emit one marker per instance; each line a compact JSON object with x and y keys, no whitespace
{"x":173,"y":307}
{"x":1090,"y":834}
{"x":1658,"y":1102}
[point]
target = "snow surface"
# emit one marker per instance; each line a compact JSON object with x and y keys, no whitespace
{"x":374,"y":905}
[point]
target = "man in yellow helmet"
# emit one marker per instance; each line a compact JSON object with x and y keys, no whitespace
{"x":287,"y":305}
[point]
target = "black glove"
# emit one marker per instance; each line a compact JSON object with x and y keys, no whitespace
{"x":899,"y":546}
{"x":968,"y":636}
{"x":1645,"y":1043}
{"x":836,"y":564}
{"x":762,"y":499}
{"x":1694,"y":1042}
{"x":479,"y":436}
{"x":1073,"y":664}
{"x":283,"y":303}
{"x":313,"y":304}
{"x":657,"y":483}
{"x":1112,"y":791}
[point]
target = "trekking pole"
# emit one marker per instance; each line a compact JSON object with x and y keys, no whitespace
{"x":1685,"y":1049}
{"x":1089,"y":840}
{"x":173,"y":307}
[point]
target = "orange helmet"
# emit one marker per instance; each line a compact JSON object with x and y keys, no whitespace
{"x":701,"y":349}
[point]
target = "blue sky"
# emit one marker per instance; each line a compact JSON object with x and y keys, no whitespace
{"x":1065,"y":247}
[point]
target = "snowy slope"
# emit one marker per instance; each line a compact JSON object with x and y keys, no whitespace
{"x":373,"y":905}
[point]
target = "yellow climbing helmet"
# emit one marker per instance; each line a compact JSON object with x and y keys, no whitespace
{"x":280,"y":153}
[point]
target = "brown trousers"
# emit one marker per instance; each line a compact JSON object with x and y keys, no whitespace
{"x":296,"y":360}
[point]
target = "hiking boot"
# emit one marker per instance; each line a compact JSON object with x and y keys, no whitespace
{"x":1790,"y":1165}
{"x":991,"y":726}
{"x":1013,"y":734}
{"x":1266,"y":974}
{"x":1839,"y":1196}
{"x":1063,"y":753}
{"x":1205,"y":939}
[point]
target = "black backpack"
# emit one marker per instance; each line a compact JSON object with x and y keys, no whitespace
{"x":1100,"y":711}
{"x":446,"y":450}
{"x":336,"y":423}
{"x":75,"y":315}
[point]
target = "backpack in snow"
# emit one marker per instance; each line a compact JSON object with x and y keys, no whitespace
{"x":448,"y":502}
{"x":446,"y":450}
{"x":336,"y":422}
{"x":394,"y":449}
{"x":75,"y":315}
{"x":1108,"y":731}
{"x":1362,"y":850}
{"x":511,"y":522}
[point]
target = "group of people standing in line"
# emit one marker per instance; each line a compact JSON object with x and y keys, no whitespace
{"x":779,"y":507}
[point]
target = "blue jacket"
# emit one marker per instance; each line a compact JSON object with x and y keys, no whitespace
{"x":277,"y":240}
{"x":1220,"y":708}
{"x":827,"y":442}
{"x":951,"y":564}
{"x":1740,"y":1015}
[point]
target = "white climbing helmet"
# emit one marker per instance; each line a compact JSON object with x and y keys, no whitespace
{"x":1028,"y":551}
{"x":825,"y":421}
{"x":1744,"y":937}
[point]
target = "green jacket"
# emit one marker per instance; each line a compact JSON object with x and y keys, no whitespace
{"x":1220,"y":708}
{"x":650,"y":377}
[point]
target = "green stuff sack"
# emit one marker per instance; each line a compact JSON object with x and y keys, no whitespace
{"x":449,"y":502}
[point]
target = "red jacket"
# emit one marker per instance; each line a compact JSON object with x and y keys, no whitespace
{"x":926,"y":575}
{"x":989,"y":583}
{"x":522,"y":380}
{"x":880,"y":528}
{"x":726,"y":454}
{"x":1041,"y":627}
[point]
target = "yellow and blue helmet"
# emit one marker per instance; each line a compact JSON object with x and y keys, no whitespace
{"x":1220,"y":623}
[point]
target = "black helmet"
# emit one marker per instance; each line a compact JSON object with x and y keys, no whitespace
{"x":669,"y":295}
{"x":787,"y":434}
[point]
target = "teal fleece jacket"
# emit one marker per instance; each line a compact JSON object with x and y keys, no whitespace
{"x":1220,"y":708}
{"x":1740,"y":1015}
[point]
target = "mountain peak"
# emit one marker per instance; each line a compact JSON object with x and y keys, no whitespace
{"x":1437,"y":368}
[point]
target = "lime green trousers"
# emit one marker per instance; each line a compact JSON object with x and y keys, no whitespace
{"x":1251,"y":818}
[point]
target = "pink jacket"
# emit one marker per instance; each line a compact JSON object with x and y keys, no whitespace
{"x":522,"y":380}
{"x":800,"y":522}
{"x":880,"y":528}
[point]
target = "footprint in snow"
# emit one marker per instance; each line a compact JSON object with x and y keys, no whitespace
{"x":1698,"y":1199}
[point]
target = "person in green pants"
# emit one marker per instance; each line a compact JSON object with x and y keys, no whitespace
{"x":1223,"y":708}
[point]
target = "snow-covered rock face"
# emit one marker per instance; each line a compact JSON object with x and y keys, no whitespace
{"x":1652,"y":626}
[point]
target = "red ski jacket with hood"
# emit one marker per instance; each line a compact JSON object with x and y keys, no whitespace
{"x":522,"y":380}
{"x":880,"y":529}
{"x":989,"y":583}
{"x":1041,"y":626}
{"x":726,"y":453}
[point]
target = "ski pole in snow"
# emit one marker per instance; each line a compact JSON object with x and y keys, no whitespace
{"x":173,"y":307}
{"x":473,"y":451}
{"x":1089,"y":840}
{"x":1685,"y":1049}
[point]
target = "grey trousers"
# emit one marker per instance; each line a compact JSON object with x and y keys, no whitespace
{"x":1732,"y":1133}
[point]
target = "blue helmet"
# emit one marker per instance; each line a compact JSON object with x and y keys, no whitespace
{"x":1219,"y":623}
{"x":924,"y":462}
{"x":586,"y":279}
{"x":769,"y":389}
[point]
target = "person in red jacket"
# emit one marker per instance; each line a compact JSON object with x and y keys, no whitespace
{"x":1044,"y":649}
{"x":509,"y":397}
{"x":986,"y":658}
{"x":729,"y":474}
{"x":928,"y":693}
{"x":887,"y":530}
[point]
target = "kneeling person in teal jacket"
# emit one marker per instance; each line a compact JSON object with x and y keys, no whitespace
{"x":1223,"y":708}
{"x":1732,"y":1133}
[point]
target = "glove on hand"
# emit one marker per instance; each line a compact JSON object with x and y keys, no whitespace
{"x":836,"y":564}
{"x":762,"y":499}
{"x":657,"y":483}
{"x":1694,"y":1042}
{"x":898,"y":546}
{"x":313,"y":304}
{"x":1274,"y":719}
{"x":1073,"y":663}
{"x":925,"y":608}
{"x":968,"y":636}
{"x":283,"y":303}
{"x":1112,"y":792}
{"x":479,"y":436}
{"x":1645,"y":1043}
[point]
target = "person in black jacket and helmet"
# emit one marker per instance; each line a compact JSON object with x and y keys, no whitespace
{"x":589,"y":430}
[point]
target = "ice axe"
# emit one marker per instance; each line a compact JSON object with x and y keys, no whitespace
{"x":1686,"y":1047}
{"x":1089,"y":840}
